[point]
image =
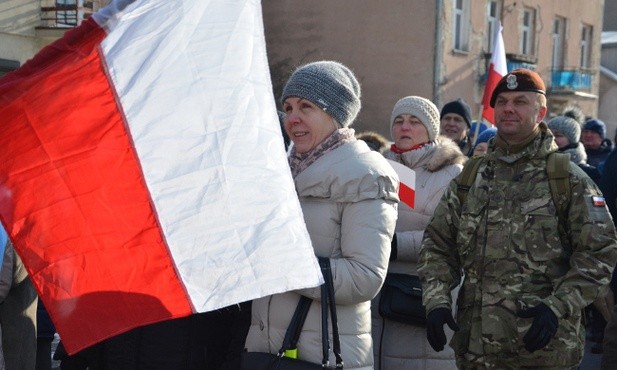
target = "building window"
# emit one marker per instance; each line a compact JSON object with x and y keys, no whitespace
{"x":559,"y":41}
{"x":461,"y":25}
{"x":586,"y":36}
{"x":528,"y":31}
{"x":493,"y":16}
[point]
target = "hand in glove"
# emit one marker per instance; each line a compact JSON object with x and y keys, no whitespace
{"x":435,"y":321}
{"x":543,"y":327}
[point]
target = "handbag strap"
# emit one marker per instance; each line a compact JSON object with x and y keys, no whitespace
{"x":327,"y":300}
{"x":292,"y":335}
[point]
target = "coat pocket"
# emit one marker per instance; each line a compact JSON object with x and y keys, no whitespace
{"x":541,"y":230}
{"x":469,"y":230}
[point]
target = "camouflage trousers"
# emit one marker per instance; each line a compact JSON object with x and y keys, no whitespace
{"x":494,"y":362}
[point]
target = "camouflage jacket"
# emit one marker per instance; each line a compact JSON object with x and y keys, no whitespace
{"x":504,"y":241}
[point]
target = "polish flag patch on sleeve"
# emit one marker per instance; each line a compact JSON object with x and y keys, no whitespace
{"x":598,"y":201}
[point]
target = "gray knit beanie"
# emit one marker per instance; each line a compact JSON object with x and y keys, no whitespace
{"x":567,"y":126}
{"x":329,"y":85}
{"x":421,"y":108}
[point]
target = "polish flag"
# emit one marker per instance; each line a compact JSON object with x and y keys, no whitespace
{"x":143,"y":174}
{"x":497,"y":69}
{"x":407,"y":187}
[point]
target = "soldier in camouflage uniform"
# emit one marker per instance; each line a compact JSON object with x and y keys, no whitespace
{"x":524,"y":289}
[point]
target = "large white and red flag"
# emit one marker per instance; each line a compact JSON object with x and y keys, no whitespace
{"x":497,"y":69}
{"x":143,"y":175}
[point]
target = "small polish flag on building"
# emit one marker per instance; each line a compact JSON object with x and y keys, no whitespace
{"x":143,"y":175}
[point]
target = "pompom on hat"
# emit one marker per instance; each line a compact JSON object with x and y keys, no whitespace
{"x":519,"y":80}
{"x":329,"y":85}
{"x":421,"y":108}
{"x":460,"y":107}
{"x":567,"y":126}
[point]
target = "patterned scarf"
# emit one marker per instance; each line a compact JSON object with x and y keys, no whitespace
{"x":299,"y":162}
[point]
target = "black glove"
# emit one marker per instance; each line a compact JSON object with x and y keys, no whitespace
{"x":435,"y":321}
{"x":394,"y":248}
{"x":543,"y":327}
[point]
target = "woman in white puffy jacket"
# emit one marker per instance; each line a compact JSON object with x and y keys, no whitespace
{"x":414,"y":126}
{"x":348,"y":195}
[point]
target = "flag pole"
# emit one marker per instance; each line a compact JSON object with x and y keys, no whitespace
{"x":477,"y":128}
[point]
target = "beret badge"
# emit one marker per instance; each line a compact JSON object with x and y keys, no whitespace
{"x":511,"y":82}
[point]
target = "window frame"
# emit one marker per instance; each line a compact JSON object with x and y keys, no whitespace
{"x":493,"y":17}
{"x":460,"y":25}
{"x":586,"y":45}
{"x":559,"y":43}
{"x":528,"y":31}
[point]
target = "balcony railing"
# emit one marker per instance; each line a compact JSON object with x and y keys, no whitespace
{"x":512,"y":65}
{"x":66,"y":13}
{"x":513,"y":62}
{"x":571,"y":80}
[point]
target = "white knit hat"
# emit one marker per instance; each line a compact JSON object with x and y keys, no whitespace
{"x":421,"y":108}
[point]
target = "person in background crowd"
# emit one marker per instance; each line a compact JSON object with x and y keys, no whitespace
{"x":45,"y":331}
{"x":349,"y":196}
{"x":480,"y":127}
{"x":608,"y":185}
{"x":205,"y":341}
{"x":525,"y":283}
{"x":482,"y":144}
{"x":414,"y":127}
{"x":597,"y":146}
{"x":567,"y":133}
{"x":374,"y":140}
{"x":18,"y":316}
{"x":456,"y":122}
{"x":226,"y":332}
{"x":6,"y":279}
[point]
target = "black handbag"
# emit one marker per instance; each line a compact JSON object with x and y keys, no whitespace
{"x":278,"y":361}
{"x":401,"y":299}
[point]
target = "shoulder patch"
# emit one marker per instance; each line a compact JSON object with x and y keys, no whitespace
{"x":598,"y":201}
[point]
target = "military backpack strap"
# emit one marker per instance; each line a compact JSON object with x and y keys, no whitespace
{"x":558,"y":169}
{"x":467,"y":178}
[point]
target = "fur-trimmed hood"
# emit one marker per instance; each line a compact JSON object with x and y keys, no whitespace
{"x":433,"y":156}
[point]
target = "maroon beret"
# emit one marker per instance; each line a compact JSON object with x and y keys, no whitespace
{"x":519,"y":80}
